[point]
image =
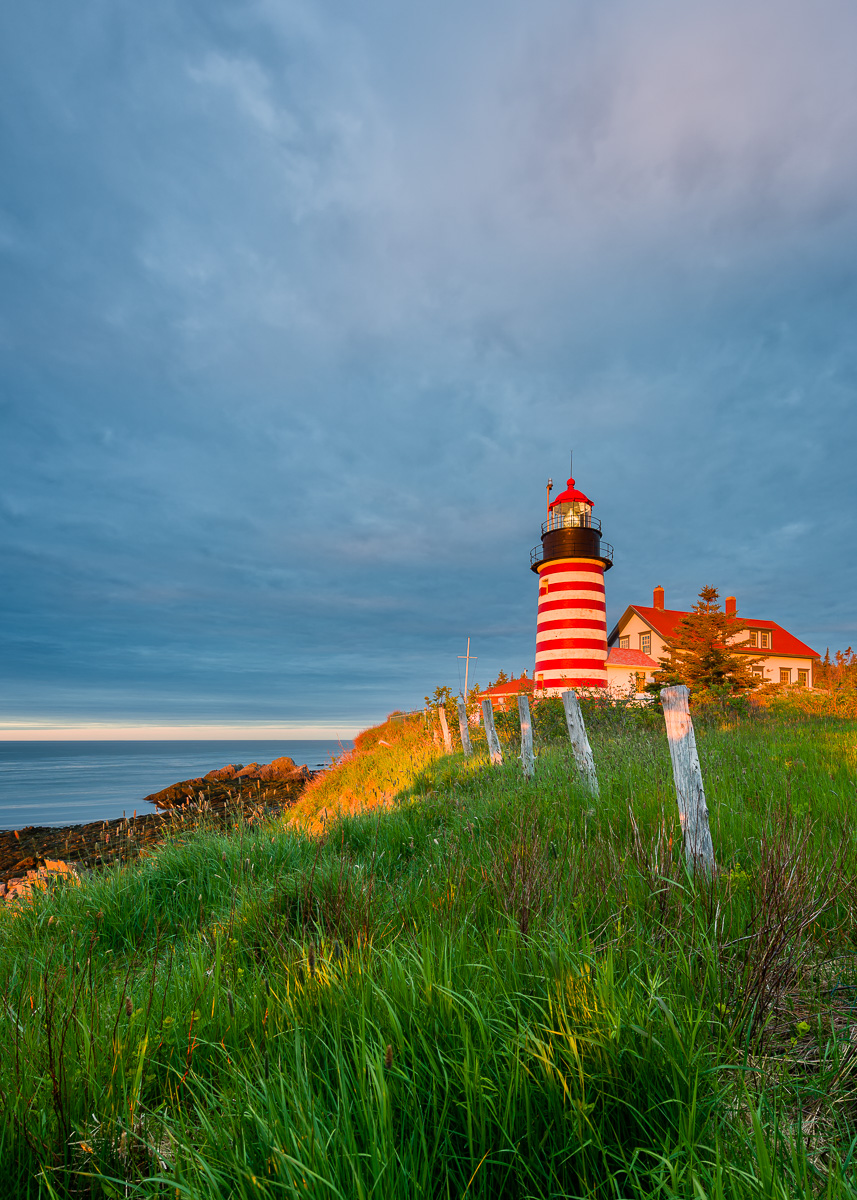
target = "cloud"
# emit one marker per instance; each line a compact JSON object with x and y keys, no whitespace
{"x":306,"y":301}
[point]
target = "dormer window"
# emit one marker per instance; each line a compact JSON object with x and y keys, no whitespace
{"x":753,"y":638}
{"x":765,"y":635}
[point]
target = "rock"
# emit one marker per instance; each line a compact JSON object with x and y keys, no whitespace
{"x":48,"y":870}
{"x":275,"y":785}
{"x":25,"y":864}
{"x":228,"y":772}
{"x":280,"y":768}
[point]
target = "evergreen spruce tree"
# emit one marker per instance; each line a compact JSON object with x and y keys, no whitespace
{"x":702,"y":652}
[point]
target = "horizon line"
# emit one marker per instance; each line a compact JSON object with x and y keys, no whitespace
{"x":105,"y":732}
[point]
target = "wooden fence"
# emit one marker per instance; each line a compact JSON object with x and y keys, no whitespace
{"x":687,"y":774}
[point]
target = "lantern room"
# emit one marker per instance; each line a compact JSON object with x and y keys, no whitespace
{"x":571,"y":531}
{"x":570,"y":510}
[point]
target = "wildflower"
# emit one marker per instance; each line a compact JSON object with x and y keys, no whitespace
{"x":51,"y":920}
{"x":388,"y":1057}
{"x":86,"y":1148}
{"x":129,"y":1006}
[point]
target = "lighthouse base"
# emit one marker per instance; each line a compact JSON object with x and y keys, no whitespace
{"x":557,"y":689}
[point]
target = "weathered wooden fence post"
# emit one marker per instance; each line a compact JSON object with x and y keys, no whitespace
{"x":464,"y":729}
{"x":491,"y":733}
{"x":528,"y":760}
{"x":579,"y":741}
{"x":447,"y":740}
{"x":692,"y":810}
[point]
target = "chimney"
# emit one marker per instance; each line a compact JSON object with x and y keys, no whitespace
{"x":658,"y":598}
{"x":730,"y":606}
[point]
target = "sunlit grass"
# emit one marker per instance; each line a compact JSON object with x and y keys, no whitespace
{"x":478,"y":986}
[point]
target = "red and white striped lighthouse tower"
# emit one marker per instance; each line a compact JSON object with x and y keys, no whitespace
{"x":571,"y":632}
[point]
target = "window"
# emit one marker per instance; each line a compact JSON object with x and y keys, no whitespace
{"x":754,"y":638}
{"x":803,"y":678}
{"x":758,"y":672}
{"x":540,"y":681}
{"x":624,"y":642}
{"x":645,"y":642}
{"x":785,"y":674}
{"x":545,"y":587}
{"x":641,"y":681}
{"x":766,"y":639}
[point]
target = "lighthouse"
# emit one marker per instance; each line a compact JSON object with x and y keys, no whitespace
{"x":571,"y":630}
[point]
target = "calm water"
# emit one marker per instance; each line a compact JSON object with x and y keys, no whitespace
{"x":64,"y":783}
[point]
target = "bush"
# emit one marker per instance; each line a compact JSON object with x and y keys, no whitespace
{"x":719,"y":704}
{"x":800,"y":701}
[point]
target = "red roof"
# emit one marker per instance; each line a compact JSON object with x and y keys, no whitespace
{"x":513,"y":687}
{"x":570,"y":494}
{"x":664,"y":621}
{"x":629,"y":658}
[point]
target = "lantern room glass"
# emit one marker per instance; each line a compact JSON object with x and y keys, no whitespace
{"x":572,"y":514}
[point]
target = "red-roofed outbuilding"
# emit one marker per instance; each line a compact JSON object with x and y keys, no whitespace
{"x":504,"y":695}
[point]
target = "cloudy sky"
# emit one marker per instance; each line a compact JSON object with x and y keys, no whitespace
{"x":302,"y":303}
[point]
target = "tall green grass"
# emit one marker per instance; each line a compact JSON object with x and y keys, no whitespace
{"x":486,"y":988}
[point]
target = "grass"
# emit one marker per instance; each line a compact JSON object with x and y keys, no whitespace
{"x":477,"y":986}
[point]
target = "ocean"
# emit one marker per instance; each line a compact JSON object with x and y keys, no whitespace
{"x":68,"y":783}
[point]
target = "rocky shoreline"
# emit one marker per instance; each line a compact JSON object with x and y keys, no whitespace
{"x":36,"y":855}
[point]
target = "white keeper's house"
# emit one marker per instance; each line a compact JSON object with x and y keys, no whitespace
{"x":640,"y":636}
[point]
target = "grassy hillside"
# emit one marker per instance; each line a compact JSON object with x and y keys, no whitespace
{"x":479,"y":986}
{"x":383,"y":764}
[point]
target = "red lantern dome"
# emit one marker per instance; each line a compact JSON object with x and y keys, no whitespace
{"x":569,"y":496}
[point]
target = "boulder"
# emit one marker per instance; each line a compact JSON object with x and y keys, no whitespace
{"x":227,"y":772}
{"x":46,"y":872}
{"x":280,"y":768}
{"x":279,"y":783}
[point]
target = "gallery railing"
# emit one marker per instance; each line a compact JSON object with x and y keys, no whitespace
{"x":558,"y":520}
{"x":537,"y":553}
